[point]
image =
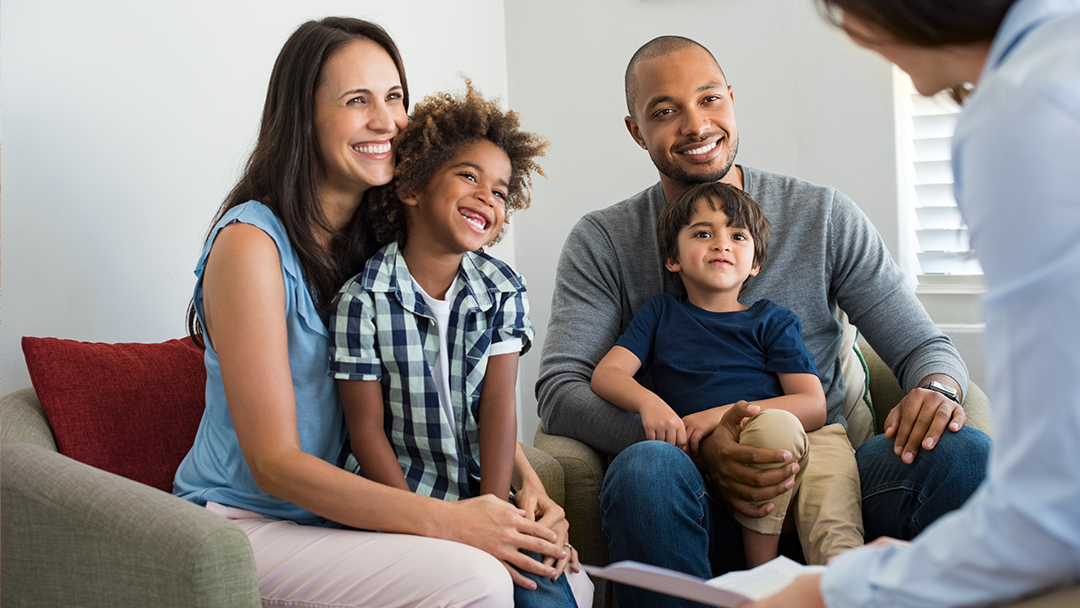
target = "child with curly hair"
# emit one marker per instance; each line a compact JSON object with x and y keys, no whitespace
{"x":426,"y":339}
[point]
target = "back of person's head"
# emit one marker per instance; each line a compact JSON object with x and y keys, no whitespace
{"x":440,"y":126}
{"x":283,"y":169}
{"x":657,"y":47}
{"x":741,"y":210}
{"x":927,"y":23}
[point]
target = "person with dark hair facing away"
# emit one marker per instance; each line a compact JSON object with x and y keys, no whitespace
{"x":267,"y":452}
{"x":705,"y":348}
{"x":426,"y":339}
{"x":824,"y":257}
{"x":1020,"y":533}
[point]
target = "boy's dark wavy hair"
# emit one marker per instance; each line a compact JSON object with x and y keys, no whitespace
{"x":741,"y":211}
{"x":439,"y":127}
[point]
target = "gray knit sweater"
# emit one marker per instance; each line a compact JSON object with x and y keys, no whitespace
{"x":823,"y":253}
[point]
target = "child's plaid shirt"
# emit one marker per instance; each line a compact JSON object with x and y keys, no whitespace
{"x":382,"y":330}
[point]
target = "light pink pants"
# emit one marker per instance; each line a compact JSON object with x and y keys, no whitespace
{"x":310,"y":566}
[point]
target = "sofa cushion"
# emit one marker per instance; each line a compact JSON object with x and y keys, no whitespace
{"x":858,"y":408}
{"x":130,"y":409}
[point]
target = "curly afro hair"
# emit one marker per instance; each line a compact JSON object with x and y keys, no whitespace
{"x":439,"y":127}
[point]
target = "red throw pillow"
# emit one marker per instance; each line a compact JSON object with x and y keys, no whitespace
{"x":130,"y":409}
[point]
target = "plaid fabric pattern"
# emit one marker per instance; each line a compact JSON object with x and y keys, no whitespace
{"x":382,"y":330}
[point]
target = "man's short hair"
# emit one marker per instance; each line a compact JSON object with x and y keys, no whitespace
{"x":657,"y":47}
{"x":741,"y":210}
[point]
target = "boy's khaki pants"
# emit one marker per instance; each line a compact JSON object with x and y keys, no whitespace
{"x":825,"y":505}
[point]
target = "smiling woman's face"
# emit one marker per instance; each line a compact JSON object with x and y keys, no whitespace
{"x":359,"y":109}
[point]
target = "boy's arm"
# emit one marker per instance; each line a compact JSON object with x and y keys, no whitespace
{"x":498,"y":425}
{"x":613,"y":380}
{"x":362,"y":402}
{"x":803,"y":396}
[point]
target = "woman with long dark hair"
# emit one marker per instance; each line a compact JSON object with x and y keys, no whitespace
{"x":1015,"y":154}
{"x":267,"y":451}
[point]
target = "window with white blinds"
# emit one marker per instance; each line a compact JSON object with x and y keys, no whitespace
{"x":941,"y":239}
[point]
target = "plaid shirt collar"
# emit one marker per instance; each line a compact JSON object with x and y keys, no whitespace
{"x":385,"y":277}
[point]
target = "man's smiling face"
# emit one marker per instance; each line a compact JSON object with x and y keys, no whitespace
{"x":684,"y":116}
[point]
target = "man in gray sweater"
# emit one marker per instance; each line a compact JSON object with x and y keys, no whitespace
{"x":823,"y":254}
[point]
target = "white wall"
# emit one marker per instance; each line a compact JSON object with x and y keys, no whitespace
{"x":126,"y":123}
{"x":809,"y":103}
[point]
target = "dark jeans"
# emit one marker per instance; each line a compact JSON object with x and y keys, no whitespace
{"x":547,"y":594}
{"x":655,"y":508}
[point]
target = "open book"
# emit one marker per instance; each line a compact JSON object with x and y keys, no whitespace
{"x":730,"y":590}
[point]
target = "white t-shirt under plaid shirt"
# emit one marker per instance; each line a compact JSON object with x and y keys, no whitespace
{"x":383,"y":330}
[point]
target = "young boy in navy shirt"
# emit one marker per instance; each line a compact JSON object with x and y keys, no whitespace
{"x":706,"y":351}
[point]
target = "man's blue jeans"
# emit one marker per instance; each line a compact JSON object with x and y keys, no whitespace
{"x":655,"y":507}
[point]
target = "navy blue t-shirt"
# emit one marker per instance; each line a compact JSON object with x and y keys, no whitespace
{"x":700,"y":359}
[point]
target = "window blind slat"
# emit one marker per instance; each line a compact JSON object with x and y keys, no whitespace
{"x":923,"y":106}
{"x":938,"y":218}
{"x":939,"y":125}
{"x":944,"y":239}
{"x":933,"y":172}
{"x":952,"y":263}
{"x":933,"y":149}
{"x":935,"y":195}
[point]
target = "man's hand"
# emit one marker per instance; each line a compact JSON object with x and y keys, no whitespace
{"x":663,"y":424}
{"x":730,"y":465}
{"x":921,"y":417}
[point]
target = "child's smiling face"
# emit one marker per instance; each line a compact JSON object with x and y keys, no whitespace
{"x":714,"y":257}
{"x":463,"y":207}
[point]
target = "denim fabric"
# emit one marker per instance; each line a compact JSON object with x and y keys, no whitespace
{"x":547,"y":594}
{"x":655,"y":507}
{"x":900,"y":500}
{"x":670,"y":524}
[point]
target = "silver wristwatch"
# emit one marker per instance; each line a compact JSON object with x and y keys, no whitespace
{"x":944,"y":389}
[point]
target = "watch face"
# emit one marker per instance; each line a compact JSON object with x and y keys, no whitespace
{"x":938,"y":387}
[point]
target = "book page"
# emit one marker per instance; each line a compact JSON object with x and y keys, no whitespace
{"x":765,"y":580}
{"x":728,"y":591}
{"x":668,"y":582}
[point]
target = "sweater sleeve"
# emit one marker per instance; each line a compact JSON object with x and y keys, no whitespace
{"x":586,"y":318}
{"x":871,"y":289}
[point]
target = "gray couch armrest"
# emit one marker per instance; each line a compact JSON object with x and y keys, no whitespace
{"x":75,"y":535}
{"x":22,"y":419}
{"x":549,"y":471}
